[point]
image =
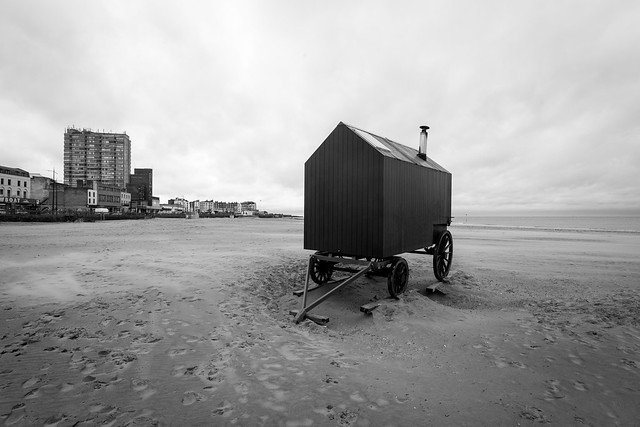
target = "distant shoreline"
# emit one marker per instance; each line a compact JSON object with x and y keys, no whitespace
{"x":548,"y":229}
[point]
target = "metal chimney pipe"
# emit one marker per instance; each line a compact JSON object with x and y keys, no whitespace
{"x":422,"y":149}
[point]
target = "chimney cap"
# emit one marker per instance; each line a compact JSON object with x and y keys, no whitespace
{"x":424,"y":127}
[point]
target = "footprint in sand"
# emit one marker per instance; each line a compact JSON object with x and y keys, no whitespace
{"x":181,"y":370}
{"x":553,"y":390}
{"x":30,"y":382}
{"x":241,"y":388}
{"x":147,"y":393}
{"x":191,"y":397}
{"x":224,"y":409}
{"x":179,"y":351}
{"x":579,"y":385}
{"x":402,"y":399}
{"x":139,"y":384}
{"x":501,"y":362}
{"x":629,"y":364}
{"x":531,"y":346}
{"x":356,"y":397}
{"x":124,"y":334}
{"x":192,"y":339}
{"x":107,"y":320}
{"x":517,"y":364}
{"x":575,"y":359}
{"x":146,"y":338}
{"x":66,"y":387}
{"x":54,"y":420}
{"x":88,"y":368}
{"x":347,"y":417}
{"x":32,"y":394}
{"x":16,"y":415}
{"x":534,"y":414}
{"x":102,"y":409}
{"x":122,"y":358}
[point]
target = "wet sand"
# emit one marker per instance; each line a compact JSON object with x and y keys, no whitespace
{"x":176,"y":322}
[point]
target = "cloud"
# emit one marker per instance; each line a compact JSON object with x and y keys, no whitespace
{"x":532,"y":106}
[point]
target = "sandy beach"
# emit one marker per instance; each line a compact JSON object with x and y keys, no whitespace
{"x":183,"y":322}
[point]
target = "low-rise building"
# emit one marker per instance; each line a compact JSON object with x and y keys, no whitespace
{"x":194,"y":206}
{"x":170,"y":208}
{"x":125,"y":200}
{"x":73,"y":199}
{"x":92,"y":198}
{"x":15,"y":189}
{"x":108,"y":197}
{"x":14,"y":183}
{"x":206,"y":206}
{"x":180,"y":202}
{"x":47,"y":192}
{"x":231,"y":207}
{"x":248,"y":206}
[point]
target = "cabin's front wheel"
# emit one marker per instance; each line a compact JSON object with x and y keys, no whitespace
{"x":320,"y":271}
{"x":443,"y":256}
{"x":398,"y":277}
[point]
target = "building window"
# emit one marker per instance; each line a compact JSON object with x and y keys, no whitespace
{"x":8,"y":192}
{"x":1,"y":181}
{"x":1,"y":191}
{"x":8,"y":181}
{"x":18,"y":183}
{"x":18,"y":193}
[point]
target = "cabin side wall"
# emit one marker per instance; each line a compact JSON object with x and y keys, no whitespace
{"x":343,"y":196}
{"x":415,"y":199}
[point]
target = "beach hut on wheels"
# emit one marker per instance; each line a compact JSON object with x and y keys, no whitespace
{"x":368,"y":199}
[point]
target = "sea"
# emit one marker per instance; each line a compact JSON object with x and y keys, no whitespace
{"x":590,"y":223}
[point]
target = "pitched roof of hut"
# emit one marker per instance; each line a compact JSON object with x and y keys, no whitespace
{"x":394,"y":149}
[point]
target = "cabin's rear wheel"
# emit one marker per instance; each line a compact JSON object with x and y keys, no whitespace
{"x":320,"y":271}
{"x":443,"y":256}
{"x":398,"y":277}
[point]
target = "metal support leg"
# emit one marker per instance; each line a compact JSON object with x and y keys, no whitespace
{"x":305,"y":309}
{"x":306,"y":283}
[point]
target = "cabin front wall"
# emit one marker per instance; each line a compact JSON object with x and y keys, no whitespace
{"x":343,"y":197}
{"x":415,"y":199}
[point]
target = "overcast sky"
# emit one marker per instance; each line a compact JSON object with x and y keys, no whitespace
{"x":533,"y":105}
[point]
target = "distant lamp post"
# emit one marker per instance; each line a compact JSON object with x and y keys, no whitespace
{"x":54,"y":199}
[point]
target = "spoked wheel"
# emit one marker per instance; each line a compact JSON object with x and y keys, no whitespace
{"x":398,"y":277}
{"x":443,"y":256}
{"x":320,"y":271}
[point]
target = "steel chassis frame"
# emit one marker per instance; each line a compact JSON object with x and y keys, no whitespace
{"x":370,"y":266}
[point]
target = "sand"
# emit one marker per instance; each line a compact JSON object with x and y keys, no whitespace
{"x":182,"y":322}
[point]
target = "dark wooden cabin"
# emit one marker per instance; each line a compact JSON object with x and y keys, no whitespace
{"x":370,"y":197}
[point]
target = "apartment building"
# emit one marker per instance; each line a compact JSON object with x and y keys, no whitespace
{"x":104,"y":157}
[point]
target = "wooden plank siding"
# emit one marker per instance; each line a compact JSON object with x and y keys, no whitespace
{"x":342,"y":196}
{"x":415,"y":199}
{"x":359,"y":202}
